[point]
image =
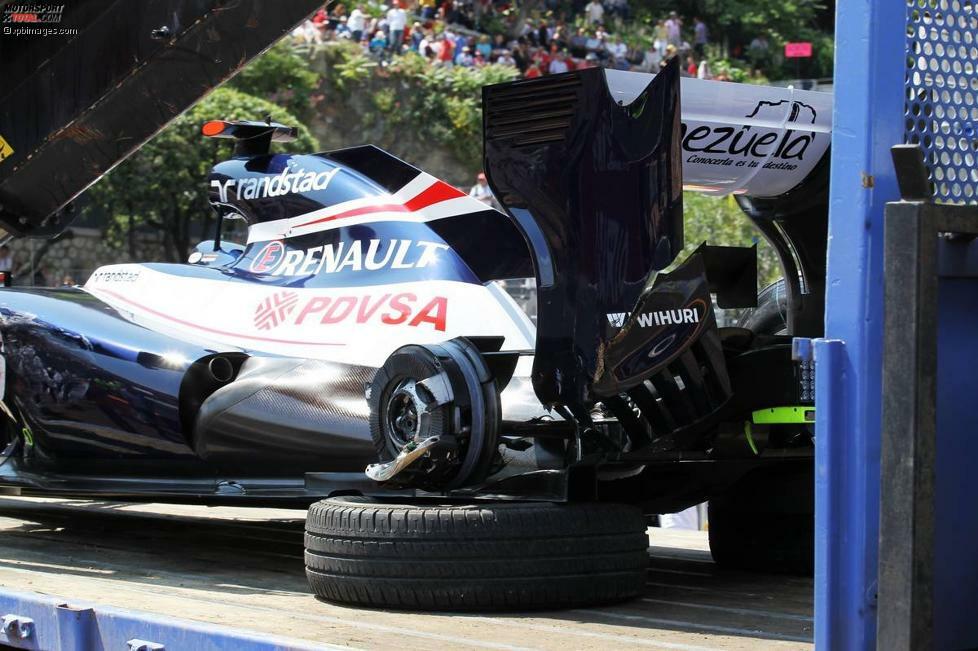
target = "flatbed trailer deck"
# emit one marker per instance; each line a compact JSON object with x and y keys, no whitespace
{"x":242,"y":567}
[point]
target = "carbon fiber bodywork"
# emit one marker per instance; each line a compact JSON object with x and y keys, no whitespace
{"x":293,"y":415}
{"x":299,"y":416}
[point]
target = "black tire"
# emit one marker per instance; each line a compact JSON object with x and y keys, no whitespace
{"x":770,"y":317}
{"x":766,"y":522}
{"x":486,"y":556}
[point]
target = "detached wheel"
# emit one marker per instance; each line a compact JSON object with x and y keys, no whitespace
{"x":492,"y":556}
{"x":766,"y":522}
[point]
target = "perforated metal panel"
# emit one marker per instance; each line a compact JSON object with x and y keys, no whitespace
{"x":942,"y":93}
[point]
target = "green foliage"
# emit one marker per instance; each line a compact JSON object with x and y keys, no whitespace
{"x":823,"y":53}
{"x":447,"y":105}
{"x":164,"y":185}
{"x":718,"y":220}
{"x":782,"y":17}
{"x":737,"y":22}
{"x":374,"y":9}
{"x":280,"y":76}
{"x":437,"y":104}
{"x":730,"y":69}
{"x":782,"y":21}
{"x":411,"y":64}
{"x":351,"y":68}
{"x":385,"y":100}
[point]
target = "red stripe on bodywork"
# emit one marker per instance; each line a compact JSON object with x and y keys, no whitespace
{"x":436,"y":193}
{"x":212,"y":330}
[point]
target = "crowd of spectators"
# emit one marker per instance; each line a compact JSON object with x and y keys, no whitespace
{"x":450,"y":33}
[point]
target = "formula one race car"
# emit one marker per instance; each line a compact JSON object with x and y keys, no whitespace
{"x":359,"y":348}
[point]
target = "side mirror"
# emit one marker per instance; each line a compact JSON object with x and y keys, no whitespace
{"x":219,"y":252}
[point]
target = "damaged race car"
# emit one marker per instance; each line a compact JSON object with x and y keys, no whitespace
{"x":358,"y":352}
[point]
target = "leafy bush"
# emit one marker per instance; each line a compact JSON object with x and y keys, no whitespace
{"x":437,"y":104}
{"x":734,"y":72}
{"x":280,"y":76}
{"x":349,"y":67}
{"x":385,"y":100}
{"x":447,"y":105}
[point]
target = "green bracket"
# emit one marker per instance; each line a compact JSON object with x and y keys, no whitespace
{"x":799,"y":415}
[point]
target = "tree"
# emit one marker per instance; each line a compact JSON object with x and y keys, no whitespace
{"x":163,"y":186}
{"x":737,"y":22}
{"x":282,"y":76}
{"x":785,"y":17}
{"x":719,"y":221}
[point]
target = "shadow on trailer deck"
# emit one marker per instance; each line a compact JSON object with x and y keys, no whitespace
{"x":242,"y":567}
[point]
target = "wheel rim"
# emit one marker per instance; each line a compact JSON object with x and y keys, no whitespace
{"x":404,"y":411}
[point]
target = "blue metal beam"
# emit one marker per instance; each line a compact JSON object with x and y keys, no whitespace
{"x":33,"y":621}
{"x":867,"y":121}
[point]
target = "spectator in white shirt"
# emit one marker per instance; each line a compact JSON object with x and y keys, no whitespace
{"x":506,"y":59}
{"x":356,"y":23}
{"x":396,"y":22}
{"x":481,"y":190}
{"x":703,"y":72}
{"x":594,"y":11}
{"x":307,"y":33}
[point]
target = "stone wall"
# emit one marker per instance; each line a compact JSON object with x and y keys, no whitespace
{"x":72,"y":257}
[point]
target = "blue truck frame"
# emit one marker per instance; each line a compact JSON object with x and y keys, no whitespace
{"x":32,"y":621}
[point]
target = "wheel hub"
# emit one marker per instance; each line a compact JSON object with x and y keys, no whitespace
{"x":404,"y":412}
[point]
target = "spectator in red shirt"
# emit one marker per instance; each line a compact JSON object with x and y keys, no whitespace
{"x":446,"y":54}
{"x":542,"y":58}
{"x":321,"y":22}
